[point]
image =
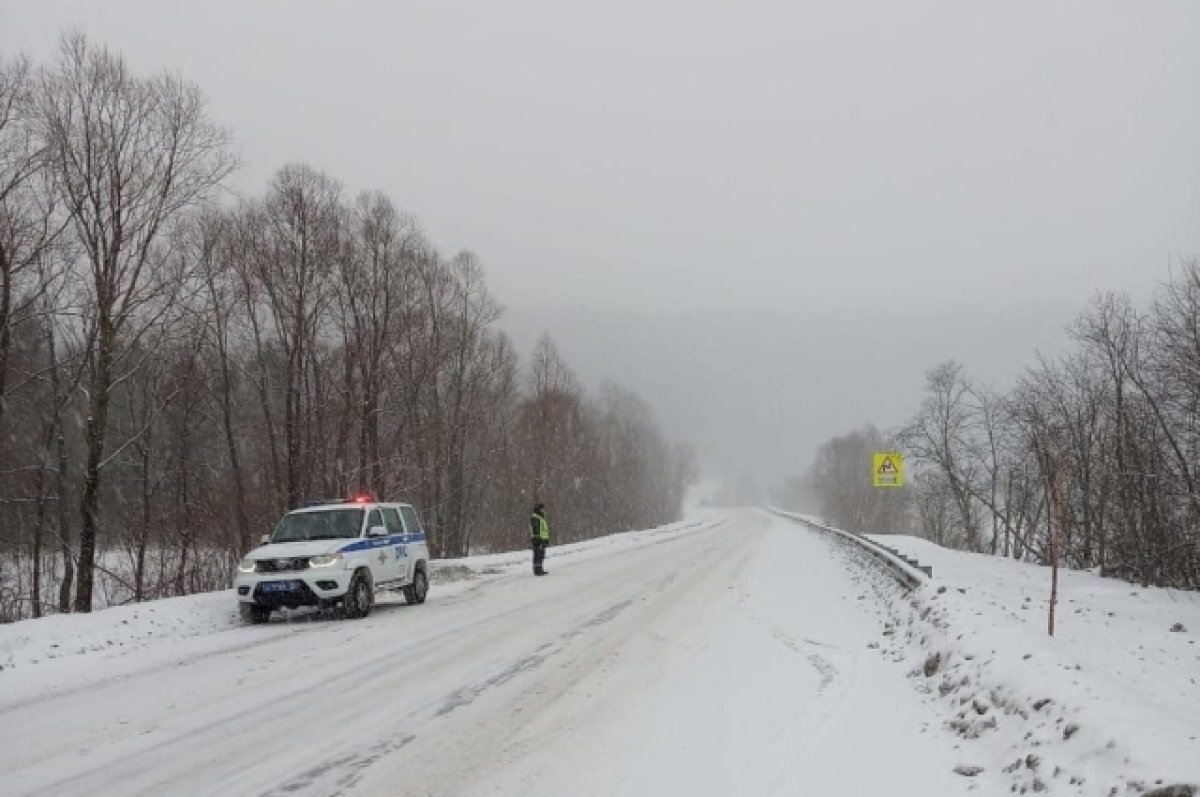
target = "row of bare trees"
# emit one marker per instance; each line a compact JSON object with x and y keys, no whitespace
{"x":177,"y":369}
{"x":1095,"y":454}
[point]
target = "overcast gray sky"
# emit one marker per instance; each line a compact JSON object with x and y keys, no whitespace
{"x":769,"y":218}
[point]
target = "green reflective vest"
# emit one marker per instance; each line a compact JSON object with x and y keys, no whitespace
{"x":543,"y":526}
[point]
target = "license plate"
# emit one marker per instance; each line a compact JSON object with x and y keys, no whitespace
{"x":277,"y":586}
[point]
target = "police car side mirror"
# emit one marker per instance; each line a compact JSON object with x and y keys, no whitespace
{"x":377,"y":531}
{"x":265,"y":539}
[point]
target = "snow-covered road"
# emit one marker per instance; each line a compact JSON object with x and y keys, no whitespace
{"x":731,"y":659}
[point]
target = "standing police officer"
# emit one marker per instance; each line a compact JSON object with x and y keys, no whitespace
{"x":539,"y":537}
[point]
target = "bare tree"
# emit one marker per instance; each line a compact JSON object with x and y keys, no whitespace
{"x":129,"y":155}
{"x":940,"y":434}
{"x":215,"y":242}
{"x":28,"y":221}
{"x":385,"y":246}
{"x":298,"y":247}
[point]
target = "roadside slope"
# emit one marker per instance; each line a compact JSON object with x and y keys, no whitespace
{"x":1113,"y":699}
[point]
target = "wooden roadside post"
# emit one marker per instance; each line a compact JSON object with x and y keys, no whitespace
{"x":1055,"y":521}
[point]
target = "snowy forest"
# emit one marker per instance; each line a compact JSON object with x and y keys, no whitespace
{"x":180,"y":365}
{"x":1092,"y":458}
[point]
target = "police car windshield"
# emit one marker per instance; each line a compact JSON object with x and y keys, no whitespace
{"x":331,"y":524}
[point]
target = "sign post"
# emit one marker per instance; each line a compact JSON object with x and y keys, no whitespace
{"x":1055,"y":520}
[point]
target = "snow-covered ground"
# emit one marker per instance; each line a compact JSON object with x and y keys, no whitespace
{"x":1113,"y":699}
{"x":121,"y":630}
{"x":724,"y":656}
{"x":738,"y":653}
{"x":749,"y":674}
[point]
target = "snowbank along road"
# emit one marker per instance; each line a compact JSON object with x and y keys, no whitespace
{"x":733,"y":658}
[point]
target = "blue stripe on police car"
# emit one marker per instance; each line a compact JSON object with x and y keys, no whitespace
{"x":381,"y":542}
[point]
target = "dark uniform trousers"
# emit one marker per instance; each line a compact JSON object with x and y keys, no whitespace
{"x":539,"y":554}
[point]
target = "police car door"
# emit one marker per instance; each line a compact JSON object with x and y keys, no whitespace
{"x":381,"y":561}
{"x":398,"y":550}
{"x":412,"y":521}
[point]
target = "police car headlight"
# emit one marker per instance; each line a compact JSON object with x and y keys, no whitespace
{"x":325,"y":560}
{"x":247,"y":565}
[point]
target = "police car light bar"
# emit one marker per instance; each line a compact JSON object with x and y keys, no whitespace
{"x":361,"y":498}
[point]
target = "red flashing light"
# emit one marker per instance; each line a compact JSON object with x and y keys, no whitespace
{"x":361,"y":499}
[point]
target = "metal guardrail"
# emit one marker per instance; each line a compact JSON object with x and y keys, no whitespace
{"x":909,"y":571}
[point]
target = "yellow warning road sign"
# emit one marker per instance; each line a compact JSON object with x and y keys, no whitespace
{"x":888,"y":469}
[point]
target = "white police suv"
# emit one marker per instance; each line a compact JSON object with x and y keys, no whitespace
{"x":335,"y":553}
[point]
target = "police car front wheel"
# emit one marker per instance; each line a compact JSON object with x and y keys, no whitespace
{"x":255,"y":614}
{"x":359,"y":596}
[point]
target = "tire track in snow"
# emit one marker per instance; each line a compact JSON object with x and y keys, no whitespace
{"x":826,"y":669}
{"x":349,"y":768}
{"x":469,"y":694}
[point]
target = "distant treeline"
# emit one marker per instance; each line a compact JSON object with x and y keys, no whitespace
{"x":1097,"y":451}
{"x":176,"y":370}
